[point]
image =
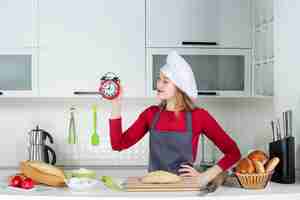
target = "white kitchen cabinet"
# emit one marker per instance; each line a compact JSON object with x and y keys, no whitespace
{"x":18,"y":77}
{"x":18,"y":52}
{"x":17,"y":22}
{"x":263,"y":82}
{"x":234,"y":24}
{"x":218,"y":72}
{"x":263,"y":60}
{"x":172,"y":22}
{"x":82,"y":40}
{"x":263,"y":11}
{"x":263,"y":30}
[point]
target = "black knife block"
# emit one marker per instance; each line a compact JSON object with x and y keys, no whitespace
{"x":284,"y":149}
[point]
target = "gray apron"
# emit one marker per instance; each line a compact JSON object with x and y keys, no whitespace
{"x":168,"y":150}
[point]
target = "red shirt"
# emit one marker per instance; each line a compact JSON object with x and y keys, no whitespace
{"x":202,"y":122}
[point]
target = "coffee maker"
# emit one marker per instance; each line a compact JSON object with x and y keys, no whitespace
{"x":38,"y":150}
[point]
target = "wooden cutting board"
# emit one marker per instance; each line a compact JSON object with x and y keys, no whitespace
{"x":134,"y":184}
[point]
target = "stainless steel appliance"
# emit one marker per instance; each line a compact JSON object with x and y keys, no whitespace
{"x":38,"y":149}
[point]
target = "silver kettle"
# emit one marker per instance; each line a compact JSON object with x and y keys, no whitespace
{"x":38,"y":150}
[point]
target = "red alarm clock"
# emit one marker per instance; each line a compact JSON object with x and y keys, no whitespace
{"x":110,"y":86}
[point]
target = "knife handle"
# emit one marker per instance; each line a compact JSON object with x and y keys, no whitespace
{"x":273,"y":130}
{"x":216,"y":182}
{"x":278,"y":130}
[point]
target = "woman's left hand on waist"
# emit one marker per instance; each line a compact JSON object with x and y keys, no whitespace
{"x":188,"y":171}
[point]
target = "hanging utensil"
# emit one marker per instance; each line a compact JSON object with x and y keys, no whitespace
{"x":95,"y":136}
{"x":72,"y":137}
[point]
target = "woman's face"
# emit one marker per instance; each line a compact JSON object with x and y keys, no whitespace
{"x":166,"y":89}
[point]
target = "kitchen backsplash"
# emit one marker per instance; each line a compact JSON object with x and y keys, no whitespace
{"x":246,"y":120}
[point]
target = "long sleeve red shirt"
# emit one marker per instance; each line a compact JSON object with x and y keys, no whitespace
{"x":202,"y":122}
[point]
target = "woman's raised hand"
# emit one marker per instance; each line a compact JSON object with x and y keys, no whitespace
{"x":119,"y":97}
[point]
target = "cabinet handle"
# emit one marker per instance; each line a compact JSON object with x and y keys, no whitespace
{"x":1,"y":93}
{"x":85,"y":93}
{"x":207,"y":93}
{"x":199,"y":43}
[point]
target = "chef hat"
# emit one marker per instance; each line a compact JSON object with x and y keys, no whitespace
{"x":180,"y":72}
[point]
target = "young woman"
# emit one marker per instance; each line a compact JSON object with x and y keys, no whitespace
{"x":174,"y":126}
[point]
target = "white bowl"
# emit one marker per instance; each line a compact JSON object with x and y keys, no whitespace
{"x":81,"y":184}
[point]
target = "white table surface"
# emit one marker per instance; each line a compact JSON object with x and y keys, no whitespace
{"x":273,"y":191}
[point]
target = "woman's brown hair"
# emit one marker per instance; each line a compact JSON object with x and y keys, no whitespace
{"x":183,"y":102}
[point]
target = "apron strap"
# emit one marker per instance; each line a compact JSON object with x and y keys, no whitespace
{"x":156,"y":117}
{"x":189,"y":122}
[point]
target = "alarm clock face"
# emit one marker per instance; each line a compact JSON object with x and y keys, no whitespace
{"x":110,"y":89}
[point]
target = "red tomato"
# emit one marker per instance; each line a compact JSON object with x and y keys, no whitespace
{"x":27,"y":183}
{"x":16,"y":181}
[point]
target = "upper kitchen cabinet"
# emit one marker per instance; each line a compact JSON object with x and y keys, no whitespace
{"x":18,"y":52}
{"x":17,"y":21}
{"x":18,"y":77}
{"x":218,"y":72}
{"x":171,"y":22}
{"x":263,"y":35}
{"x":82,"y":40}
{"x":217,"y":23}
{"x":234,"y":23}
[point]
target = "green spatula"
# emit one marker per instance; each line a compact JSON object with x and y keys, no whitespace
{"x":95,"y":137}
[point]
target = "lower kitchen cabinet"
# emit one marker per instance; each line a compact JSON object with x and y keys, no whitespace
{"x":77,"y":49}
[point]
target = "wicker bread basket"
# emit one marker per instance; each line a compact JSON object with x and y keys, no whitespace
{"x":255,"y":180}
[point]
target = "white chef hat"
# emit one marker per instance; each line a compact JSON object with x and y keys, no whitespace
{"x":180,"y":72}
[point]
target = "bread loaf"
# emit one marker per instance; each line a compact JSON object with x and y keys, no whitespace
{"x":245,"y":166}
{"x":258,"y":155}
{"x":259,"y":167}
{"x":160,"y":177}
{"x":271,"y":164}
{"x":43,"y":173}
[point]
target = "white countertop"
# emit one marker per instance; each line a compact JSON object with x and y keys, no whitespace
{"x":273,"y":191}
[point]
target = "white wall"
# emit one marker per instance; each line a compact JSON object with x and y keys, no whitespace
{"x":246,"y":120}
{"x":287,"y":63}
